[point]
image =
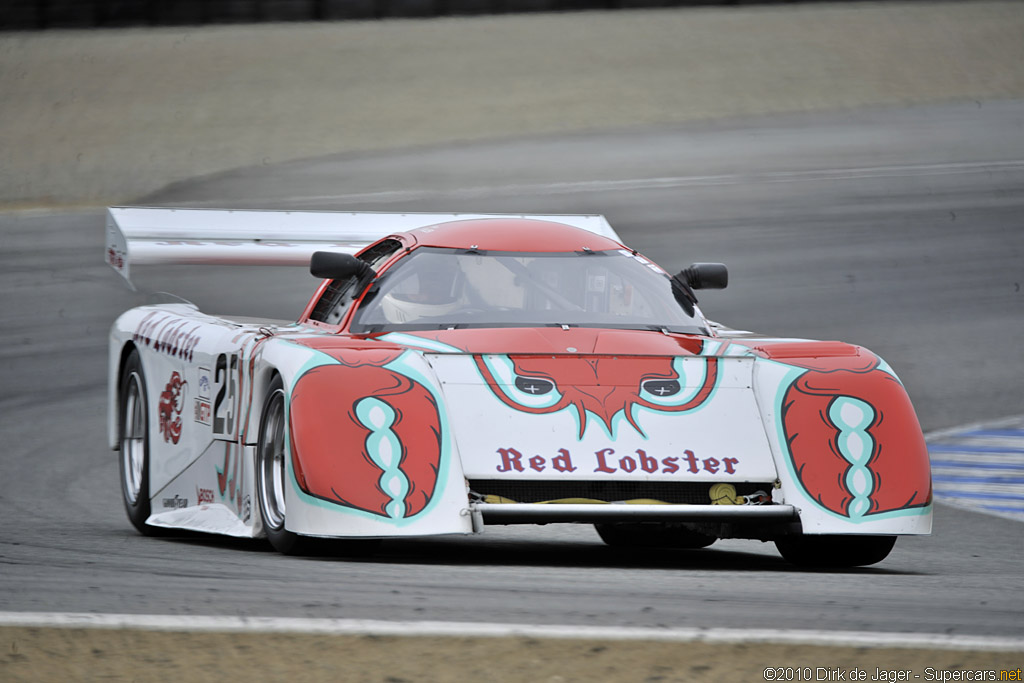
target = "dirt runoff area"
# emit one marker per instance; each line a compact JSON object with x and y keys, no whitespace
{"x":130,"y":655}
{"x":104,"y":116}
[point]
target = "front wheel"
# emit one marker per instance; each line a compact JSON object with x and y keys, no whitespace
{"x":272,"y":485}
{"x":835,"y":551}
{"x":271,"y":472}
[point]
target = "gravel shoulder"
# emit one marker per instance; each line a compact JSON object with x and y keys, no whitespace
{"x":84,"y":654}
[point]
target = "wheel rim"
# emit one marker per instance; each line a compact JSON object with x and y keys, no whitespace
{"x":272,"y":462}
{"x":133,"y":441}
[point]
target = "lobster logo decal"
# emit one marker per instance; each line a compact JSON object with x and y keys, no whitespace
{"x":366,"y":436}
{"x":601,"y":387}
{"x":845,"y":422}
{"x":172,"y":399}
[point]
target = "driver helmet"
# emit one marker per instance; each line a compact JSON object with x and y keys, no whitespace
{"x":399,"y":310}
{"x":427,"y":295}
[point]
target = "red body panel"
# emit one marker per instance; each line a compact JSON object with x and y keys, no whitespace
{"x":328,"y":431}
{"x":511,"y":234}
{"x":897,"y":457}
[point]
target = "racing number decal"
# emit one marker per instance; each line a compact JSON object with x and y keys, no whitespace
{"x":230,"y":474}
{"x":224,"y":381}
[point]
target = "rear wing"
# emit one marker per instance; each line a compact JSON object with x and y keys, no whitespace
{"x":141,"y":236}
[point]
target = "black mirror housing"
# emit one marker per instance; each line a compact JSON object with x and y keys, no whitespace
{"x":705,"y":276}
{"x":332,"y":265}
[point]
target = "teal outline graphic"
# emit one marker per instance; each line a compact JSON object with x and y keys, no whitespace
{"x":852,"y":417}
{"x":419,"y":342}
{"x":638,"y":410}
{"x":780,"y":434}
{"x":501,"y":368}
{"x":384,"y":448}
{"x":678,"y":365}
{"x":402,"y":366}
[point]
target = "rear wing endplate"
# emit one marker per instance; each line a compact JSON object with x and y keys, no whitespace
{"x":140,"y":236}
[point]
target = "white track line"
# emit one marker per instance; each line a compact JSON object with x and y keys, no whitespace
{"x":669,"y":182}
{"x":225,"y":624}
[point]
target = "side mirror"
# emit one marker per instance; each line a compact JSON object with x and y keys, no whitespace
{"x":331,"y":265}
{"x":705,"y":276}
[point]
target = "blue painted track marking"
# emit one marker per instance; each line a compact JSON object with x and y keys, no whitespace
{"x":981,"y":467}
{"x":940,"y":464}
{"x":1015,"y":433}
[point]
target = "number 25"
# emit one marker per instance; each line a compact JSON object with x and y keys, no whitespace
{"x":224,"y":380}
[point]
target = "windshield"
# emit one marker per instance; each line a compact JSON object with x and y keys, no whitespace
{"x":445,"y":288}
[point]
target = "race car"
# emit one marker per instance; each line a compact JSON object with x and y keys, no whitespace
{"x":455,"y":371}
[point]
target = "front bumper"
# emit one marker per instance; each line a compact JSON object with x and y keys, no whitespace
{"x":549,"y":513}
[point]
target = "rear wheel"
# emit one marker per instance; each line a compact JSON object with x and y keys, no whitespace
{"x":835,"y":551}
{"x":134,"y":440}
{"x":652,"y":535}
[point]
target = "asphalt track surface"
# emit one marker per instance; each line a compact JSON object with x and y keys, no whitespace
{"x":896,"y":229}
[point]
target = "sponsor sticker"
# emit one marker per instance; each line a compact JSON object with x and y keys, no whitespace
{"x":204,"y":384}
{"x":172,"y":400}
{"x":203,"y":411}
{"x":168,"y":334}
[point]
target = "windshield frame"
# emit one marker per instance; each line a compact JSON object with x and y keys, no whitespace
{"x":646,"y":277}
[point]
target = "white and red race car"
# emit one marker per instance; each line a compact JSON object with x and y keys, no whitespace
{"x":455,"y":371}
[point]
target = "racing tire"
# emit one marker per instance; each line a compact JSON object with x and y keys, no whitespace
{"x":271,"y":486}
{"x":271,"y":473}
{"x":834,"y":552}
{"x":133,"y":436}
{"x":640,"y":535}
